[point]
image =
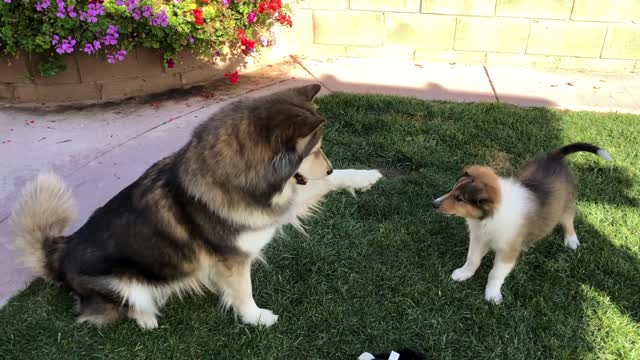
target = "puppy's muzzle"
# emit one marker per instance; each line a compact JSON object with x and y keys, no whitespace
{"x":437,"y":202}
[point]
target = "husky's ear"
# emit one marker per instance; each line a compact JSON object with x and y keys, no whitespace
{"x":285,"y":164}
{"x":305,"y":137}
{"x":309,"y":91}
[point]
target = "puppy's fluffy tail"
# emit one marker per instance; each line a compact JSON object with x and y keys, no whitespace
{"x":44,"y":211}
{"x":577,"y":147}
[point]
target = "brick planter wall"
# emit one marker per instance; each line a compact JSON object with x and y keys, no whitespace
{"x":595,"y":35}
{"x":91,"y":79}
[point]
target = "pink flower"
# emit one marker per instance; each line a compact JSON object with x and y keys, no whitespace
{"x":170,"y":63}
{"x":251,"y":17}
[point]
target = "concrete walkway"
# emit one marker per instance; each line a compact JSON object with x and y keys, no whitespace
{"x":101,"y":149}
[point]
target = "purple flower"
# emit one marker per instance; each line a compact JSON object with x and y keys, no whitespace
{"x":251,"y":17}
{"x":160,"y":19}
{"x":61,"y":10}
{"x":71,"y":13}
{"x":217,"y":52}
{"x":111,"y":36}
{"x":191,"y":39}
{"x":91,"y":15}
{"x":7,"y":1}
{"x":96,"y":45}
{"x":110,"y":59}
{"x":55,"y":39}
{"x":66,"y":46}
{"x":225,"y":2}
{"x":112,"y":30}
{"x":174,"y":1}
{"x":119,"y":3}
{"x":120,"y":54}
{"x":146,"y":11}
{"x":41,"y":5}
{"x":264,"y":41}
{"x":131,"y":4}
{"x":88,"y":48}
{"x":136,"y":14}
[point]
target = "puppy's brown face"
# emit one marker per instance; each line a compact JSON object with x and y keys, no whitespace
{"x":475,"y":195}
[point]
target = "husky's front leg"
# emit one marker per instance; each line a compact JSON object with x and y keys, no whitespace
{"x":310,"y":195}
{"x":352,"y":180}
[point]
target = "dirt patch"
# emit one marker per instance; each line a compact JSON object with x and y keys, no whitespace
{"x":392,"y":169}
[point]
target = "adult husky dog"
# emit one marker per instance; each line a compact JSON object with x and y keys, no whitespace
{"x":195,"y":219}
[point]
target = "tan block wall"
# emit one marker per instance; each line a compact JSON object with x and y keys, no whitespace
{"x":596,"y":35}
{"x":90,"y":79}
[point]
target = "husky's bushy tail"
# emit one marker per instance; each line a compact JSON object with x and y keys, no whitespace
{"x":44,"y":211}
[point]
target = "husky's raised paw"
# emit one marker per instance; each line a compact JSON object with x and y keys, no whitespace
{"x":352,"y":180}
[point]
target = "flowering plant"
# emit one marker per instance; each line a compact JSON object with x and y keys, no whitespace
{"x":111,"y":28}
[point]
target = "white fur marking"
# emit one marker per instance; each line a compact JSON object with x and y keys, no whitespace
{"x":497,"y":276}
{"x":571,"y":242}
{"x":259,"y":316}
{"x":252,"y":242}
{"x":462,"y":274}
{"x":439,"y":200}
{"x":604,"y":154}
{"x":505,"y":223}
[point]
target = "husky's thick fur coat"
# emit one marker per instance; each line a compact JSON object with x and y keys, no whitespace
{"x":507,"y":215}
{"x":195,"y":219}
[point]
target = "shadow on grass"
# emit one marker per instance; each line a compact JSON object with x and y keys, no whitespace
{"x":374,"y":273}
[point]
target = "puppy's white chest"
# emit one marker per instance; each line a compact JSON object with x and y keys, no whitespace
{"x":252,"y":242}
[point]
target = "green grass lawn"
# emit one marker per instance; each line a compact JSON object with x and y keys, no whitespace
{"x":373,"y":274}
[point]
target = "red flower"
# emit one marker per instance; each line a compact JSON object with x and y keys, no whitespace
{"x":248,"y":46}
{"x":274,"y":6}
{"x":241,"y":34}
{"x":271,"y":6}
{"x":233,"y":77}
{"x":197,"y":16}
{"x":285,"y":20}
{"x":170,"y":63}
{"x":204,"y":1}
{"x":262,"y":7}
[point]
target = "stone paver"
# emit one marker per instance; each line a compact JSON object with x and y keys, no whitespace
{"x":101,"y":149}
{"x":425,"y":81}
{"x":565,"y":90}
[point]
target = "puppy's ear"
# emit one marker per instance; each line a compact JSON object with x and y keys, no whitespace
{"x":480,"y":196}
{"x":465,"y":173}
{"x":309,"y":91}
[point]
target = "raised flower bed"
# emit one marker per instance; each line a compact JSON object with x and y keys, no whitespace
{"x":70,"y":50}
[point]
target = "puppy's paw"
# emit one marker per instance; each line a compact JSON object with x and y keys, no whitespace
{"x":461,"y":274}
{"x":571,"y":242}
{"x":146,"y":321}
{"x":493,"y":296}
{"x":260,"y":317}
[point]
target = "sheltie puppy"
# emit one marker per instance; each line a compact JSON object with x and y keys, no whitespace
{"x":507,"y":215}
